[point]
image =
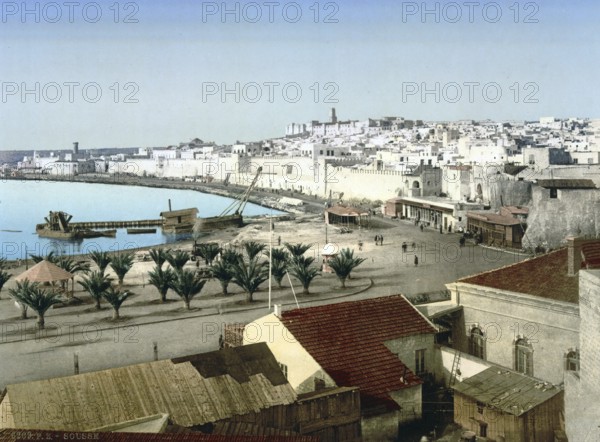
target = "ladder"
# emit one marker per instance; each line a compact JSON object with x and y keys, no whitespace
{"x":455,"y":368}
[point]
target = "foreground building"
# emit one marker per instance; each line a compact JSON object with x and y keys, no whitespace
{"x":383,"y":346}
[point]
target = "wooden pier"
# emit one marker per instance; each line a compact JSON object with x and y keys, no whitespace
{"x":117,"y":224}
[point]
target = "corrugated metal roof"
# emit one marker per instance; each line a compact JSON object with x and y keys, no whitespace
{"x":347,"y":341}
{"x":493,"y":218}
{"x":10,"y":435}
{"x":506,"y":390}
{"x":347,"y":211}
{"x":98,"y":399}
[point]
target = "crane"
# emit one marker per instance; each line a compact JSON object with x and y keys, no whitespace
{"x":237,"y":206}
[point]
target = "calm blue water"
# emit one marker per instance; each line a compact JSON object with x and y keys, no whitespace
{"x":23,"y":204}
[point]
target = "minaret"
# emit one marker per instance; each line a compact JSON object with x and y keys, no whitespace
{"x":332,"y":115}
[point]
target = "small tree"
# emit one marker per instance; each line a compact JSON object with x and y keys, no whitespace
{"x":162,"y":280}
{"x":4,"y":277}
{"x":208,"y":251}
{"x":70,"y":265}
{"x":279,"y":264}
{"x":222,"y":271}
{"x":96,"y":284}
{"x":297,"y":249}
{"x":37,"y":299}
{"x":301,"y":268}
{"x":121,"y":264}
{"x":115,"y":298}
{"x":22,"y":288}
{"x":187,"y":285}
{"x":230,"y":256}
{"x":253,"y":248}
{"x":343,"y":264}
{"x":159,"y":256}
{"x":178,"y":259}
{"x":250,"y":275}
{"x":102,"y":259}
{"x":50,"y":257}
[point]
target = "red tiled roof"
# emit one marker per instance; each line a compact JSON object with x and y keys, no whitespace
{"x":544,"y":276}
{"x":347,"y":341}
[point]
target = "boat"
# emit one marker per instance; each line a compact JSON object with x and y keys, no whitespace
{"x":57,"y":227}
{"x":232,"y":215}
{"x":140,"y":231}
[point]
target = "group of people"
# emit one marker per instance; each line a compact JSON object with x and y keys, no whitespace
{"x":378,"y":240}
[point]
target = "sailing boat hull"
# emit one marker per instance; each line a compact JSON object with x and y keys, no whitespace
{"x":219,"y":222}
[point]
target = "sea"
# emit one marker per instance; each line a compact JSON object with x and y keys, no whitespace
{"x":23,"y":204}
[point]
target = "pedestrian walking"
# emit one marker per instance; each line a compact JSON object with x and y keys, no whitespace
{"x":381,"y":239}
{"x":421,"y":227}
{"x":221,"y":342}
{"x":416,"y":260}
{"x":279,"y":240}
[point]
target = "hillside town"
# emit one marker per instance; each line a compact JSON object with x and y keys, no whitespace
{"x":398,"y":326}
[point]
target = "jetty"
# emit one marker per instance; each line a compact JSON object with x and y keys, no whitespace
{"x":118,"y":224}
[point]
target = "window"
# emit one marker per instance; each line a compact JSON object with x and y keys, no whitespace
{"x":524,"y":357}
{"x":553,"y":193}
{"x":572,"y":360}
{"x":319,"y":384}
{"x":284,"y":369}
{"x":480,"y":406}
{"x":420,"y":361}
{"x":476,"y":343}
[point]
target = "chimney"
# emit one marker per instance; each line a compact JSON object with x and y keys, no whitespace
{"x":574,"y":260}
{"x":277,"y":310}
{"x":76,"y":147}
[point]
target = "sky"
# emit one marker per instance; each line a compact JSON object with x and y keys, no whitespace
{"x":150,"y":73}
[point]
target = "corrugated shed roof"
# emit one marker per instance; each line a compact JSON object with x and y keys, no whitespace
{"x":590,"y":255}
{"x":506,"y":390}
{"x":347,"y":211}
{"x":193,"y":211}
{"x":493,"y":218}
{"x":347,"y":341}
{"x":103,"y":398}
{"x":544,"y":276}
{"x":239,"y":362}
{"x":10,"y":435}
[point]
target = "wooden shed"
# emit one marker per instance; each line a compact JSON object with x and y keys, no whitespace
{"x":498,"y":230}
{"x":179,"y":221}
{"x":504,"y":405}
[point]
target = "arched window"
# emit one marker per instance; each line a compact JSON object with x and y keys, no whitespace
{"x":572,"y":360}
{"x":476,"y":343}
{"x":524,"y":357}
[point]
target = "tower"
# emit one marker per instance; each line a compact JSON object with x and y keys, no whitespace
{"x":76,"y":147}
{"x":332,"y":115}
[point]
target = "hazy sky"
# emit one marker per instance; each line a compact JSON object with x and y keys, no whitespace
{"x":161,"y":67}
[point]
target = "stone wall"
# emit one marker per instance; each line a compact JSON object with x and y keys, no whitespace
{"x":572,"y":213}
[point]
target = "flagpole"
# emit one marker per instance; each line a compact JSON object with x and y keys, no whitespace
{"x":270,"y":255}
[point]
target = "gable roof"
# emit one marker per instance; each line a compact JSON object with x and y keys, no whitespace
{"x":509,"y":391}
{"x":129,"y":393}
{"x":544,"y":276}
{"x":347,"y":341}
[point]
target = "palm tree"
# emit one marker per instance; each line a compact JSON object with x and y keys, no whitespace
{"x":280,"y":259}
{"x":50,"y":257}
{"x":230,"y":256}
{"x":159,"y":256}
{"x":208,"y":251}
{"x":38,"y":299}
{"x":96,"y":284}
{"x":187,"y":284}
{"x":343,"y":264}
{"x":301,"y":268}
{"x":178,"y":259}
{"x":115,"y":298}
{"x":297,"y":249}
{"x":3,"y":263}
{"x":21,"y":288}
{"x":121,"y":264}
{"x":250,"y":275}
{"x":222,"y":270}
{"x":4,"y":277}
{"x":162,"y":280}
{"x":253,"y":248}
{"x":102,"y":259}
{"x":70,"y":265}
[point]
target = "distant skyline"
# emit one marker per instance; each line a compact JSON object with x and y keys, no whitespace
{"x":370,"y":61}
